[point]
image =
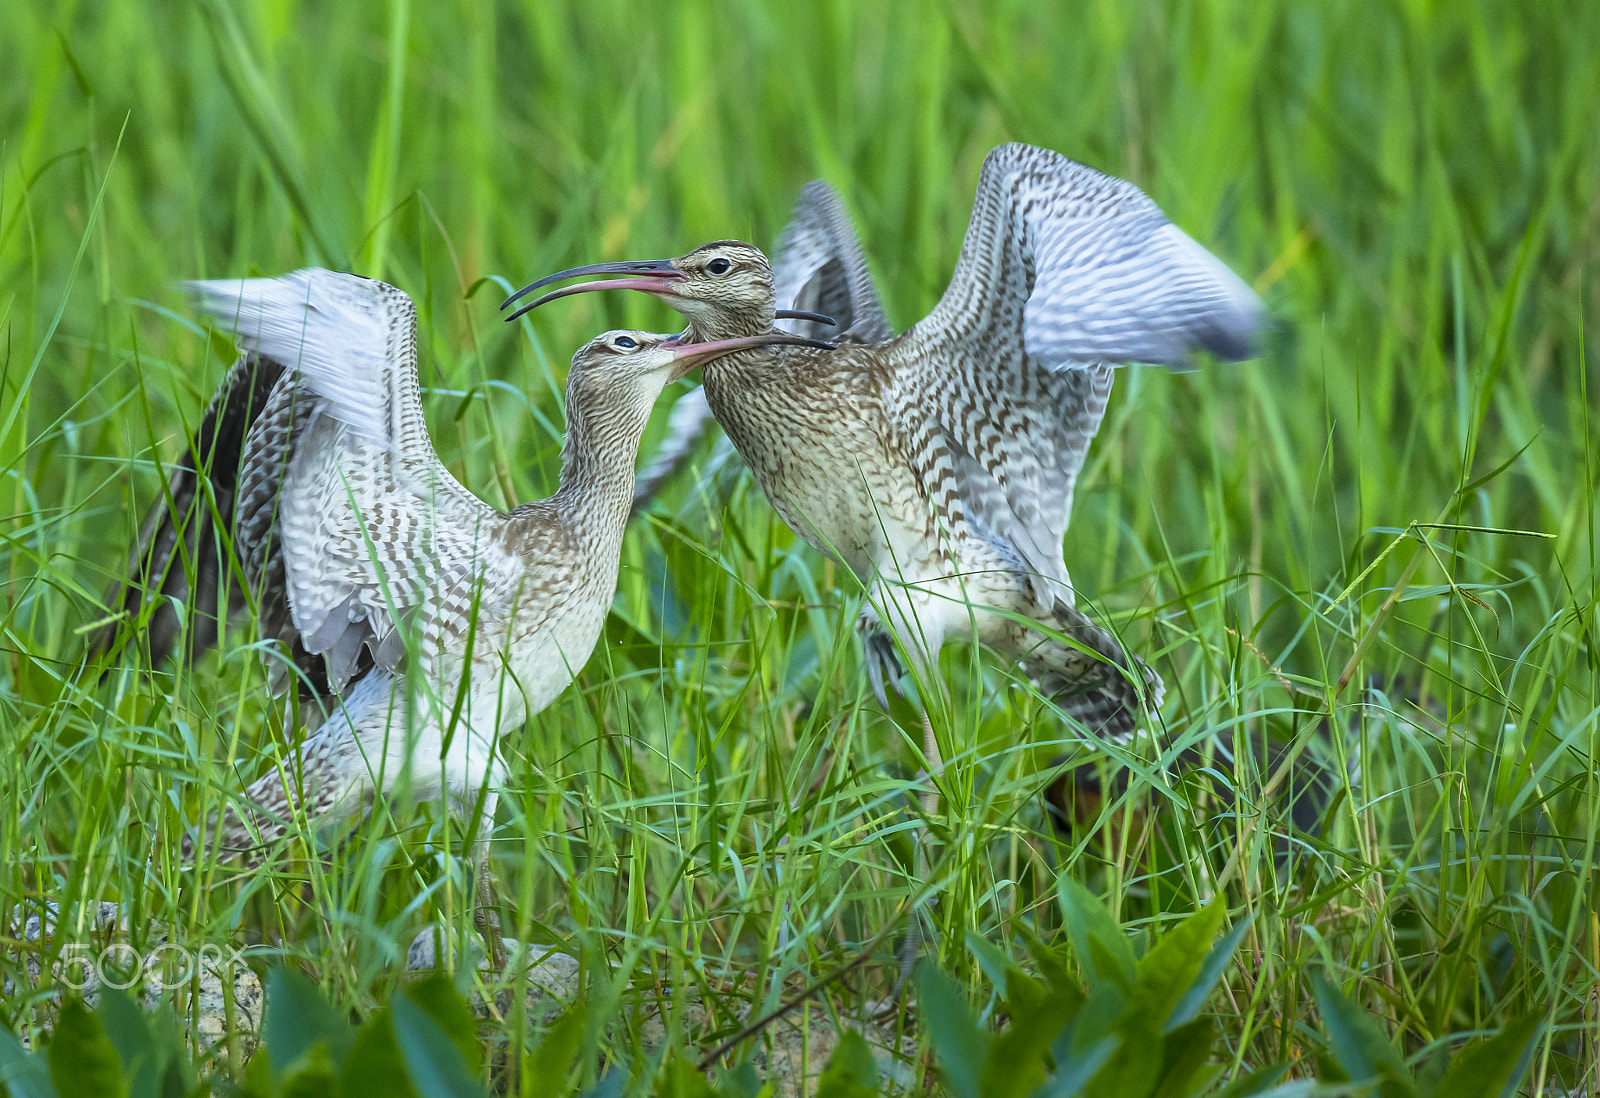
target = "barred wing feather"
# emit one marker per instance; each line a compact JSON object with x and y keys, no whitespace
{"x":820,"y":268}
{"x":1064,"y":273}
{"x":373,"y":530}
{"x":1080,"y":267}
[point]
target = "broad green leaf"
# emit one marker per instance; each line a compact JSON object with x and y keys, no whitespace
{"x":1052,"y":965}
{"x":1184,"y":1070}
{"x":1256,"y":1082}
{"x":374,"y":1066}
{"x":852,"y":1072}
{"x":1027,"y":995}
{"x":82,"y":1059}
{"x":1106,"y":963}
{"x":739,"y":1081}
{"x":435,"y":1065}
{"x":1132,"y":1069}
{"x":1099,"y":1015}
{"x":1021,"y":993}
{"x":1016,"y":1064}
{"x":444,"y":1004}
{"x":258,"y":1075}
{"x":957,"y":1041}
{"x":613,"y":1085}
{"x":312,"y":1075}
{"x":129,"y":1033}
{"x":1166,"y":973}
{"x":1216,"y":962}
{"x":1432,"y":1067}
{"x":177,"y":1077}
{"x":1491,"y":1068}
{"x":551,"y":1063}
{"x":679,"y":1079}
{"x":992,"y":959}
{"x":1102,"y":948}
{"x":1075,"y":1070}
{"x":298,"y":1017}
{"x":26,"y":1074}
{"x":1358,"y":1045}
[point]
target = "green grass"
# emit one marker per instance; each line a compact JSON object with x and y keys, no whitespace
{"x":1403,"y":484}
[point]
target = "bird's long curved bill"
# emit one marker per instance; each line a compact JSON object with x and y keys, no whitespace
{"x":690,"y":355}
{"x":648,"y":275}
{"x":651,"y":276}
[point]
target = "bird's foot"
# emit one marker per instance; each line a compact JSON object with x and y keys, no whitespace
{"x":486,"y":913}
{"x":919,"y":931}
{"x":884,"y":670}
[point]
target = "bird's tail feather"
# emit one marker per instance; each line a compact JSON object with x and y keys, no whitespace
{"x":1093,"y":679}
{"x":323,"y":775}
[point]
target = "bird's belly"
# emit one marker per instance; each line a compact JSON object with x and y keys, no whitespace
{"x":846,"y":502}
{"x":449,"y":740}
{"x":940,"y":585}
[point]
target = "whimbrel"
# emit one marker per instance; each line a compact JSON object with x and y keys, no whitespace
{"x":428,"y":622}
{"x":939,"y":464}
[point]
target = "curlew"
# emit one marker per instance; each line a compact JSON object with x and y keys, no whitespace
{"x":939,"y":464}
{"x":418,"y":623}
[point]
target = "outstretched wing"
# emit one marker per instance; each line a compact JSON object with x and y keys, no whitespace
{"x":179,"y":556}
{"x":820,"y":269}
{"x":1080,"y":267}
{"x":1064,"y":273}
{"x":371,"y":529}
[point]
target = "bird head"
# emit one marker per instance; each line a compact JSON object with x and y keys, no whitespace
{"x":724,"y":288}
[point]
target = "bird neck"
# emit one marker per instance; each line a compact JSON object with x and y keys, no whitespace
{"x":729,"y":324}
{"x":604,"y":426}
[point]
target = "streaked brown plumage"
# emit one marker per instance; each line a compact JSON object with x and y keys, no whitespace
{"x":939,"y":464}
{"x":422,"y":622}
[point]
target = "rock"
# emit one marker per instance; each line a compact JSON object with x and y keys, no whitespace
{"x":789,"y":1054}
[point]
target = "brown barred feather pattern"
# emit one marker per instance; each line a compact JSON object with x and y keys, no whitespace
{"x":427,"y":623}
{"x":939,"y":464}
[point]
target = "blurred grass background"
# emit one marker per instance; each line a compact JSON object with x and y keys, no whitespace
{"x":1403,"y":486}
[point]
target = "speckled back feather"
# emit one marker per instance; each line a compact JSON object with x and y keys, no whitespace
{"x":954,"y":449}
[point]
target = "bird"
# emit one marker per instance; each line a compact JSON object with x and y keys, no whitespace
{"x":421,"y":623}
{"x":939,"y":463}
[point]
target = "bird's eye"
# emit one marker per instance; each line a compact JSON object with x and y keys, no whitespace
{"x":719,"y":266}
{"x":625,"y":343}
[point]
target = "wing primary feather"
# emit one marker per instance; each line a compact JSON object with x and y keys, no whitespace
{"x":178,"y":555}
{"x":1076,"y":267}
{"x":820,"y":268}
{"x":338,"y":331}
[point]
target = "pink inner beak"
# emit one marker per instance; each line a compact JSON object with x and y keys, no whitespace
{"x":658,"y":285}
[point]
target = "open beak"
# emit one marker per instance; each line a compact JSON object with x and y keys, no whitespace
{"x":652,"y":276}
{"x":690,"y":355}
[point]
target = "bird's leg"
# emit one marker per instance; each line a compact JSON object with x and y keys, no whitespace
{"x":930,"y":752}
{"x":487,"y":915}
{"x":921,"y":923}
{"x":486,"y":906}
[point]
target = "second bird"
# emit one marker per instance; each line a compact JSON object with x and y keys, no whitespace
{"x":939,"y":464}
